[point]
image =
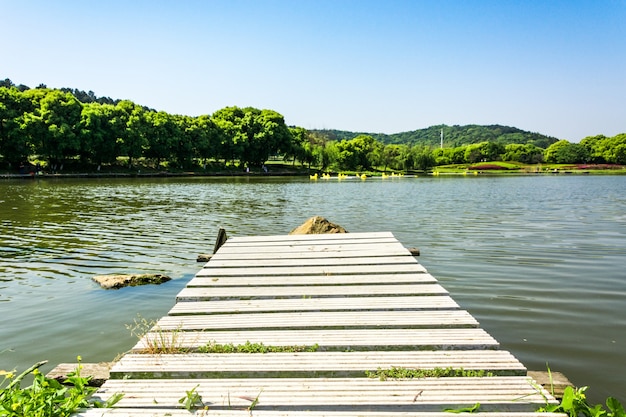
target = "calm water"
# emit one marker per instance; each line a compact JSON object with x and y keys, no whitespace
{"x":539,"y":261}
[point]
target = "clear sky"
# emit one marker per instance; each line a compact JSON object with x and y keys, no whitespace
{"x":557,"y":67}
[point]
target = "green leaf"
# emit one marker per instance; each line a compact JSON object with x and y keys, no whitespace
{"x":617,"y":409}
{"x":567,"y":403}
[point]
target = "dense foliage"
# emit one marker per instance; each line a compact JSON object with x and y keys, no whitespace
{"x":56,"y":126}
{"x":47,"y":397}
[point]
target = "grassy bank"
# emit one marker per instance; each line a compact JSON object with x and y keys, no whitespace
{"x":504,"y":168}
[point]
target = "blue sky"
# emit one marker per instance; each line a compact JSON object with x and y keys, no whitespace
{"x":554,"y":67}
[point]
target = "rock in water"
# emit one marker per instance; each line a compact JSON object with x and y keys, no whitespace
{"x":317,"y":225}
{"x":131,"y":280}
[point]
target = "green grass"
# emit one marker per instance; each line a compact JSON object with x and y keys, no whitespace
{"x":516,"y":168}
{"x":410,"y":373}
{"x":253,"y":348}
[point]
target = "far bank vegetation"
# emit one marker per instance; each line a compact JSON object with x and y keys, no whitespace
{"x":65,"y":130}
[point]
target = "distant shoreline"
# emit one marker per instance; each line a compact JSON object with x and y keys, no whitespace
{"x":167,"y":174}
{"x":149,"y":175}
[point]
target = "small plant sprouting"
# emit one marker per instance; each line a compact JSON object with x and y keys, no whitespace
{"x":156,"y":340}
{"x":192,"y":400}
{"x":255,"y":402}
{"x":410,"y":373}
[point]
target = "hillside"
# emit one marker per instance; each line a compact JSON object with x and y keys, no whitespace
{"x":453,"y":136}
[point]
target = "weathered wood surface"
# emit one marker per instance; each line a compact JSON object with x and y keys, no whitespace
{"x":334,"y":339}
{"x":367,"y":394}
{"x":310,"y":364}
{"x":298,"y":252}
{"x":298,"y":269}
{"x":311,"y":280}
{"x":245,"y":412}
{"x":322,"y":320}
{"x":97,"y":372}
{"x":401,"y":303}
{"x":351,"y":238}
{"x":298,"y":291}
{"x":317,"y":261}
{"x":361,"y":298}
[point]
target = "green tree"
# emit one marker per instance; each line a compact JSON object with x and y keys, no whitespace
{"x":134,"y":139}
{"x":423,"y":158}
{"x":604,"y":149}
{"x":15,"y":146}
{"x":355,"y":154}
{"x":266,"y":134}
{"x":102,"y":129}
{"x":163,"y":135}
{"x":596,"y":147}
{"x":391,"y":156}
{"x":297,"y":149}
{"x":564,"y":152}
{"x":205,"y":137}
{"x":54,"y":124}
{"x":227,"y":121}
{"x":183,"y":143}
{"x":527,"y":153}
{"x":483,"y":151}
{"x":252,"y":135}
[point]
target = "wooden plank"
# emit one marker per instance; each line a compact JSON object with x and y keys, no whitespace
{"x":303,"y":241}
{"x":323,"y":319}
{"x":393,"y":247}
{"x":315,"y":304}
{"x":427,"y":394}
{"x":244,"y":412}
{"x":313,"y":270}
{"x":308,"y":364}
{"x":351,"y":237}
{"x":253,"y":255}
{"x":97,"y":373}
{"x":279,"y":261}
{"x":333,"y":339}
{"x":208,"y":293}
{"x":256,"y":281}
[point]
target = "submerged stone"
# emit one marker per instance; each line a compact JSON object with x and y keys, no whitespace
{"x":129,"y":280}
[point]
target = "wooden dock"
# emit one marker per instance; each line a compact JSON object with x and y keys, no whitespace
{"x":341,"y":305}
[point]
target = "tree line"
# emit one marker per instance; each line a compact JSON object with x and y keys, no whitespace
{"x":60,"y":125}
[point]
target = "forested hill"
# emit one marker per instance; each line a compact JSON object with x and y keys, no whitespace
{"x":453,"y":136}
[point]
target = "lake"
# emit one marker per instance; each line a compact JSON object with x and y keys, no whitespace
{"x":538,"y":260}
